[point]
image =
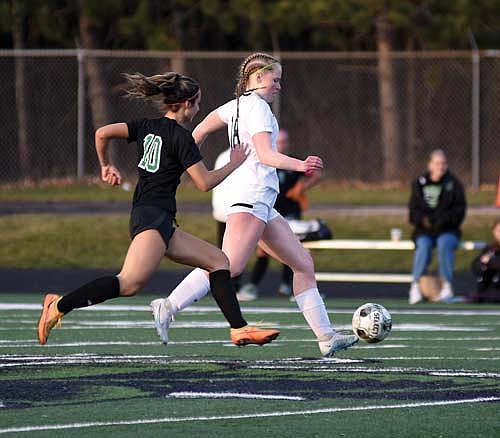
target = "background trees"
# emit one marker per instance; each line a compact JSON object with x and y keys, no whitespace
{"x":253,"y":24}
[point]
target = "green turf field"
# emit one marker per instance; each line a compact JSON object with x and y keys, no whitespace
{"x":104,"y":373}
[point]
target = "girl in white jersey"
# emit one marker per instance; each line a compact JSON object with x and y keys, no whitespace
{"x":253,"y":187}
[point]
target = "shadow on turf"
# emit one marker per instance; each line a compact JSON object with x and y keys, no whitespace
{"x":25,"y":393}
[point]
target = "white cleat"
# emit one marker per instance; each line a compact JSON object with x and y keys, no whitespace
{"x":248,"y":292}
{"x":336,"y":343}
{"x":163,"y":316}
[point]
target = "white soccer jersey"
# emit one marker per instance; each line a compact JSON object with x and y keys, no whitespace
{"x":252,"y":180}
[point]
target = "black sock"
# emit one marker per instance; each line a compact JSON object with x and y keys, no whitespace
{"x":287,"y":275}
{"x":225,"y":296}
{"x":95,"y":292}
{"x":259,"y":269}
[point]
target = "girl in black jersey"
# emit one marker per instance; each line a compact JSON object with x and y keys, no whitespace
{"x":165,"y":151}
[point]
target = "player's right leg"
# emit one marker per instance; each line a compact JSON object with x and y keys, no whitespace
{"x":279,"y":241}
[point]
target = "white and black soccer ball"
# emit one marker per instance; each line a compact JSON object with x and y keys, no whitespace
{"x":371,"y":322}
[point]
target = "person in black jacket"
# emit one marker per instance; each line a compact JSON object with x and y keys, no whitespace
{"x":437,"y":209}
{"x":486,"y":268}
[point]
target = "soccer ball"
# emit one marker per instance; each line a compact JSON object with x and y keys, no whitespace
{"x":371,"y":322}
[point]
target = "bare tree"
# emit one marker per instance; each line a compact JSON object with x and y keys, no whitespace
{"x":18,"y":31}
{"x":389,"y":121}
{"x":96,"y":86}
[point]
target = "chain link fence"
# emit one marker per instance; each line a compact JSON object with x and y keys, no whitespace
{"x":371,"y":120}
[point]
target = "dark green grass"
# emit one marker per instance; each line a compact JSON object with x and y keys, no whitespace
{"x":327,"y":192}
{"x":112,"y":383}
{"x":101,"y":241}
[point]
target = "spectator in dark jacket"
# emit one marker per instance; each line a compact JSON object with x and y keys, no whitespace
{"x":486,"y":268}
{"x":437,"y":209}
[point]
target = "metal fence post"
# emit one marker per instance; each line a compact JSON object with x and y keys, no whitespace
{"x":475,"y":151}
{"x":81,"y":116}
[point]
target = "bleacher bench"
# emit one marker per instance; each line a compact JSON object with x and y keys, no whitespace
{"x":400,"y":245}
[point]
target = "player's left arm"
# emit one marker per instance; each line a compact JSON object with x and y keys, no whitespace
{"x":109,"y":173}
{"x":263,"y":147}
{"x":209,"y":124}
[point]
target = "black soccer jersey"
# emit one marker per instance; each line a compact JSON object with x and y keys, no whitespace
{"x":283,"y":205}
{"x":164,"y":151}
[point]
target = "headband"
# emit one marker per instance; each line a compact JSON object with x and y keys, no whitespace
{"x":266,"y":66}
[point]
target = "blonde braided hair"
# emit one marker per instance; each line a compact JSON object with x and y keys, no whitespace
{"x":250,"y":65}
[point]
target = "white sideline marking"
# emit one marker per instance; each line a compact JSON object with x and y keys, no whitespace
{"x":187,"y":394}
{"x":260,"y":310}
{"x":193,"y":324}
{"x":404,"y":370}
{"x":464,"y":374}
{"x":245,"y":416}
{"x":431,"y":358}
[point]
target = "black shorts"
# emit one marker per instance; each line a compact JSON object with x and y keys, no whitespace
{"x":148,"y":217}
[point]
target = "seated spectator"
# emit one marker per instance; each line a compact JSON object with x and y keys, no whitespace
{"x":437,"y":209}
{"x":486,"y":268}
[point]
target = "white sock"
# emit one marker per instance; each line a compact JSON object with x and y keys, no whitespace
{"x":313,"y":308}
{"x":194,"y":287}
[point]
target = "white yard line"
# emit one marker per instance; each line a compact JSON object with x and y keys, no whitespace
{"x":20,"y":429}
{"x":260,"y":310}
{"x":320,"y":364}
{"x":243,"y":395}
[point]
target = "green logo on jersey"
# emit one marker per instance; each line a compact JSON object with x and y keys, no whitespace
{"x":431,"y":194}
{"x":152,"y":149}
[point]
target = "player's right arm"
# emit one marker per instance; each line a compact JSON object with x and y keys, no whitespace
{"x":109,"y":173}
{"x":206,"y":180}
{"x":266,"y":155}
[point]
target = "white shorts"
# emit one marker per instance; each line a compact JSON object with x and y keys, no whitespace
{"x":262,"y":208}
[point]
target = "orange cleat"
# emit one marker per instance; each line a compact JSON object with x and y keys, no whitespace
{"x":253,"y":335}
{"x":50,"y":317}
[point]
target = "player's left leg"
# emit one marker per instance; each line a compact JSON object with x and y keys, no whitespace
{"x":279,"y":241}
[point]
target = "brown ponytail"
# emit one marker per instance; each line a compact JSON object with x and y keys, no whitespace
{"x":167,"y":90}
